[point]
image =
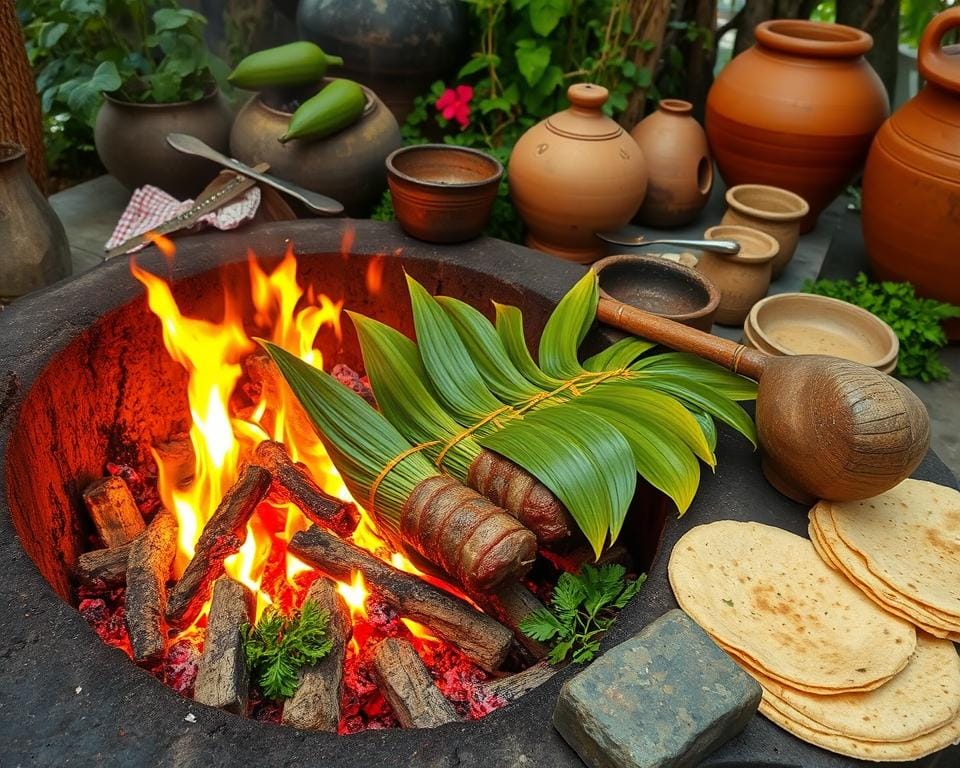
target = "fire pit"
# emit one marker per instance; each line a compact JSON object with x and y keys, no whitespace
{"x":87,"y":380}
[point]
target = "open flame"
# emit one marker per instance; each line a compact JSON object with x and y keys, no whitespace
{"x":212,"y":353}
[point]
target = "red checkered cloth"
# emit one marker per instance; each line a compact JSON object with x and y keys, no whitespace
{"x":149,"y":207}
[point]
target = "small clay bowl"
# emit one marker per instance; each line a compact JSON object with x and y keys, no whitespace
{"x":442,"y":194}
{"x":659,"y":286}
{"x":806,"y":324}
{"x":775,"y":211}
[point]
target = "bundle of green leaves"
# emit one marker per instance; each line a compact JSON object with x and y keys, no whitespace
{"x":917,"y":322}
{"x":279,"y":646}
{"x":581,"y":611}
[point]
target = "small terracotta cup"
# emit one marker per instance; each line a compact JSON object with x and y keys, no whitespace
{"x":442,"y":193}
{"x":768,"y":209}
{"x":659,"y":286}
{"x":742,"y":279}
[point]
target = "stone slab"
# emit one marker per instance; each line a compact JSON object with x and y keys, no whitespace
{"x":666,"y":698}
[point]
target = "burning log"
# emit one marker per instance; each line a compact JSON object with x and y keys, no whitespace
{"x":113,"y":511}
{"x":148,"y":568}
{"x":178,"y":458}
{"x":297,"y":486}
{"x":407,"y":686}
{"x":483,"y":640}
{"x":510,"y":606}
{"x":513,"y":687}
{"x":222,"y":677}
{"x":223,"y":535}
{"x":316,"y":704}
{"x":262,"y":371}
{"x":106,"y":566}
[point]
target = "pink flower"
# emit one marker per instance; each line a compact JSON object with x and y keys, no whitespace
{"x":454,"y":104}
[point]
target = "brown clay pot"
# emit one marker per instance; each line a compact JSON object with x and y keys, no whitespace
{"x":574,"y":174}
{"x":131,"y":141}
{"x":775,"y":211}
{"x":742,"y":279}
{"x":679,"y":169}
{"x":911,"y":185}
{"x":348,"y":166}
{"x":797,"y":111}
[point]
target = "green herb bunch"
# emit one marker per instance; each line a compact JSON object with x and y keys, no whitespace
{"x":581,"y":611}
{"x":279,"y":646}
{"x":917,"y":322}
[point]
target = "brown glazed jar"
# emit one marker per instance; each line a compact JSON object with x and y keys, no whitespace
{"x":797,"y":111}
{"x":575,"y":174}
{"x":911,"y":185}
{"x":679,"y":169}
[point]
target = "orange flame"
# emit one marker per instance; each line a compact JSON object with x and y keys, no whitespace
{"x":374,"y":275}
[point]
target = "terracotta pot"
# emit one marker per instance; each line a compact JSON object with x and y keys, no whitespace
{"x":679,"y":169}
{"x":574,"y":174}
{"x":396,"y":47}
{"x":769,"y":209}
{"x":911,"y":185}
{"x":348,"y":166}
{"x":131,"y":141}
{"x":441,"y":193}
{"x":35,"y":248}
{"x":742,"y":279}
{"x":658,"y":285}
{"x":797,"y":111}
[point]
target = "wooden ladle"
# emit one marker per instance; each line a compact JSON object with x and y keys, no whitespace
{"x":828,"y":428}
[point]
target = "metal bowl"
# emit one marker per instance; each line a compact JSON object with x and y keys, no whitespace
{"x":442,"y":194}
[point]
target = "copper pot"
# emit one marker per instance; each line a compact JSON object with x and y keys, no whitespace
{"x":131,"y":141}
{"x":35,"y":247}
{"x":348,"y":166}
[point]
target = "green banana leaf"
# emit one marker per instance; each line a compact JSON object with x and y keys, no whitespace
{"x":509,"y":324}
{"x":567,"y":327}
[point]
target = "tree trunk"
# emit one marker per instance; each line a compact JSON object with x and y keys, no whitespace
{"x":700,"y":55}
{"x":881,"y":18}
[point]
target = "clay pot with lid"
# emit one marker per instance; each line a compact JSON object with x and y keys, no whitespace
{"x":797,"y":111}
{"x":911,"y":185}
{"x":742,"y":279}
{"x":574,"y":174}
{"x":778,"y":212}
{"x":679,"y":169}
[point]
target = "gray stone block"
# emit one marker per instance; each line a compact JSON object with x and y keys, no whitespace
{"x":666,"y":698}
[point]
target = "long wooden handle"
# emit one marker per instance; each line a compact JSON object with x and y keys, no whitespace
{"x":733,"y":356}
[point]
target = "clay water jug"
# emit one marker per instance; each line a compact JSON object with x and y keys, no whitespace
{"x":575,"y":174}
{"x":35,"y":249}
{"x":797,"y":111}
{"x":679,"y":169}
{"x":911,"y":184}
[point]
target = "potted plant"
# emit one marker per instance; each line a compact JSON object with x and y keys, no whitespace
{"x":157,"y":77}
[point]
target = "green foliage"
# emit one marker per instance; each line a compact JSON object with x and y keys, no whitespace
{"x":279,"y":646}
{"x":917,"y":322}
{"x":150,"y":52}
{"x":915,"y":15}
{"x":581,"y":611}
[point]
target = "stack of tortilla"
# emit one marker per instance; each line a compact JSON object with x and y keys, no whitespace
{"x":901,"y":548}
{"x":836,"y":669}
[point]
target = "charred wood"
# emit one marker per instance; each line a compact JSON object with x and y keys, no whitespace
{"x":148,"y":569}
{"x":113,"y":511}
{"x":222,"y":677}
{"x":407,"y":686}
{"x":104,"y":566}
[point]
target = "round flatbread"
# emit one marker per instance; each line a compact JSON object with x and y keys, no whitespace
{"x":910,"y":538}
{"x":924,"y":697}
{"x":897,"y":751}
{"x":765,"y":592}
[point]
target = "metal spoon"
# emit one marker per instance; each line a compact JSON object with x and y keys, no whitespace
{"x":728,"y":247}
{"x":191,"y":145}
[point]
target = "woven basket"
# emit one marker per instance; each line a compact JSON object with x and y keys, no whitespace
{"x":20,"y":118}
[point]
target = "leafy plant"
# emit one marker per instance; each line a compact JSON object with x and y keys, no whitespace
{"x":917,"y":322}
{"x":279,"y":646}
{"x":581,"y":611}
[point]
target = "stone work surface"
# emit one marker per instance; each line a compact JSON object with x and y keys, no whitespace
{"x":665,"y":698}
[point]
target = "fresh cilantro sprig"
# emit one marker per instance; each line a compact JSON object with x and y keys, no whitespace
{"x":581,"y":611}
{"x":279,"y":646}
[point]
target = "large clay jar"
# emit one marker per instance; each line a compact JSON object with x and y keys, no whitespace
{"x":131,"y":140}
{"x":679,"y":169}
{"x":797,"y":111}
{"x":742,"y":279}
{"x":775,"y":211}
{"x":911,"y":185}
{"x":35,"y":248}
{"x":396,"y":47}
{"x":347,"y":166}
{"x":575,"y":174}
